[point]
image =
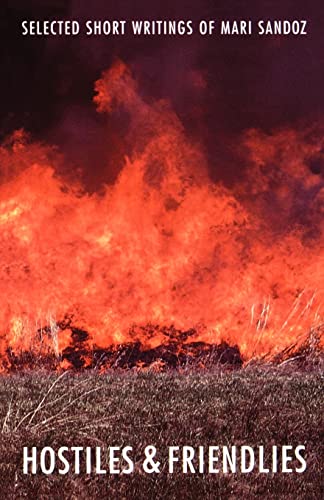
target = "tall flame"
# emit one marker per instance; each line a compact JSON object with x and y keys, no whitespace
{"x":164,"y":244}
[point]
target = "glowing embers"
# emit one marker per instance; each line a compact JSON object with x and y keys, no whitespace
{"x":177,"y":350}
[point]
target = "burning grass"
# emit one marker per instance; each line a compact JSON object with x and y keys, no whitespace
{"x":166,"y":243}
{"x":255,"y":405}
{"x":173,"y":350}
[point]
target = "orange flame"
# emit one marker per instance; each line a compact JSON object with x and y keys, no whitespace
{"x":163,"y":245}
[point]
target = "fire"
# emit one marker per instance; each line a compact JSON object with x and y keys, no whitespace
{"x":163,"y":245}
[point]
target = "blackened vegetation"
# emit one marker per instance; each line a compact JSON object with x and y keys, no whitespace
{"x":177,"y":350}
{"x":194,"y":354}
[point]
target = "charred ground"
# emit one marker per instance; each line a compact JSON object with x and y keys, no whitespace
{"x":177,"y":350}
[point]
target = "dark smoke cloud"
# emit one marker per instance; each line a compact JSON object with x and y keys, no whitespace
{"x":218,"y":87}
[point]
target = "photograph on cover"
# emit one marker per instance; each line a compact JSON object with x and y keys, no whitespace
{"x":161,"y":249}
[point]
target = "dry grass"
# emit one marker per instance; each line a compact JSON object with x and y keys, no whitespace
{"x":255,"y":405}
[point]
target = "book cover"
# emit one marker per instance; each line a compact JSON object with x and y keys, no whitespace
{"x":161,"y":249}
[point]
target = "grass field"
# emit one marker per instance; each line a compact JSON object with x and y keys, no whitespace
{"x":253,"y":406}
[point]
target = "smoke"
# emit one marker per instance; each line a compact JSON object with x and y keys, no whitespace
{"x":218,"y":87}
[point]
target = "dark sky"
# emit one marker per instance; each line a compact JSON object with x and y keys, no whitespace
{"x":265,"y":82}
